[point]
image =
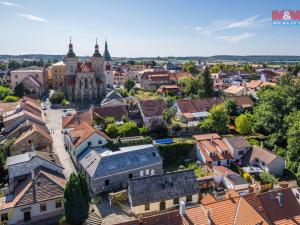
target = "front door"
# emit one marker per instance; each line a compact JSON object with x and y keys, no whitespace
{"x":27,"y":216}
{"x":162,"y":206}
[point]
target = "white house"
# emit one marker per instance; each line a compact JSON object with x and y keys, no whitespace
{"x":83,"y":136}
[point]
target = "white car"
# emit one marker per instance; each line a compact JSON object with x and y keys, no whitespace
{"x":44,"y":107}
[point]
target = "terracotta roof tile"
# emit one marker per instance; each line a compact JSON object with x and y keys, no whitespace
{"x":71,"y":121}
{"x":243,"y":101}
{"x":198,"y":105}
{"x":207,"y":199}
{"x":153,"y":107}
{"x":253,"y":84}
{"x":234,"y":89}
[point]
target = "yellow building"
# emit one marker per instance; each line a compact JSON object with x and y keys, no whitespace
{"x":56,"y":75}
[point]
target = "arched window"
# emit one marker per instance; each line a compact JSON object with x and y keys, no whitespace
{"x":107,"y":67}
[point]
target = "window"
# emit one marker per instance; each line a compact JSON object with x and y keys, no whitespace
{"x":89,"y":143}
{"x":4,"y":217}
{"x":154,"y":154}
{"x":147,"y":207}
{"x":106,"y":182}
{"x":263,"y":164}
{"x":152,"y":172}
{"x":228,"y":162}
{"x":107,"y":67}
{"x":141,"y":173}
{"x":297,"y":196}
{"x":16,"y":76}
{"x":175,"y":201}
{"x":130,"y":176}
{"x":29,"y":141}
{"x":100,"y":142}
{"x":219,"y":163}
{"x":58,"y":204}
{"x":147,"y":172}
{"x":43,"y":207}
{"x":189,"y":198}
{"x":240,"y":152}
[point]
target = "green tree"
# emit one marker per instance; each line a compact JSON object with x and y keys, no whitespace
{"x":19,"y":90}
{"x":76,"y":199}
{"x":267,"y":178}
{"x":244,"y":123}
{"x":57,"y":97}
{"x":231,"y":107}
{"x":112,"y":130}
{"x":190,"y":67}
{"x":217,"y":120}
{"x":128,"y":129}
{"x":207,"y":83}
{"x":13,"y":65}
{"x":4,"y":152}
{"x":169,"y":114}
{"x":10,"y":98}
{"x":4,"y":91}
{"x":129,"y":85}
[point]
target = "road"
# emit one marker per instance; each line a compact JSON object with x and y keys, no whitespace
{"x":54,"y":120}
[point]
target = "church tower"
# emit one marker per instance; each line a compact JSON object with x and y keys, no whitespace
{"x":71,"y":62}
{"x":97,"y":61}
{"x":108,"y":67}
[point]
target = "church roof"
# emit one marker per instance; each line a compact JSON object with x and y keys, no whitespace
{"x":106,"y":54}
{"x":84,"y":67}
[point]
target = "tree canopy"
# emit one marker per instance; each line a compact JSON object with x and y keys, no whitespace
{"x":244,"y":123}
{"x":129,"y":84}
{"x":76,"y":199}
{"x":4,"y":91}
{"x":57,"y":97}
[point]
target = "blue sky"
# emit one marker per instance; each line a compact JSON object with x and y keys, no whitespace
{"x":147,"y":27}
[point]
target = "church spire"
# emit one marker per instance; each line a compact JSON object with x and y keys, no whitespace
{"x":97,"y":53}
{"x":71,"y":53}
{"x":106,"y":54}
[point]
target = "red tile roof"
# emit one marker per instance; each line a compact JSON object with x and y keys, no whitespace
{"x":207,"y":199}
{"x":116,"y":112}
{"x":84,"y":67}
{"x":83,"y":131}
{"x":198,"y":105}
{"x":71,"y":121}
{"x":243,"y":101}
{"x":153,"y":107}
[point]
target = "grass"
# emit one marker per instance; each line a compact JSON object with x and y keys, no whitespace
{"x":181,"y":164}
{"x":142,"y":94}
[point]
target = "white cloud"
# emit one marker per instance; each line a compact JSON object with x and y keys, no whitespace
{"x":33,"y":18}
{"x":222,"y":25}
{"x":237,"y":38}
{"x":198,"y":28}
{"x":184,"y":27}
{"x":10,"y":4}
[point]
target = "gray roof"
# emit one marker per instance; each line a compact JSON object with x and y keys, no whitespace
{"x":238,"y":142}
{"x":99,"y":163}
{"x":162,"y":187}
{"x":27,"y":156}
{"x":106,"y":54}
{"x":237,"y":179}
{"x":113,"y":95}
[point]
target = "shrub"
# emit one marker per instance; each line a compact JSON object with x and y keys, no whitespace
{"x":57,"y":97}
{"x":65,"y":102}
{"x":111,"y":130}
{"x":172,"y":152}
{"x":11,"y":98}
{"x":4,"y":91}
{"x":267,"y":178}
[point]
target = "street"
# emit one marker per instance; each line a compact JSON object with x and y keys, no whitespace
{"x":54,"y":120}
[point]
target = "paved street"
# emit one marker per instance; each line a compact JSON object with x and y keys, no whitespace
{"x":53,"y":120}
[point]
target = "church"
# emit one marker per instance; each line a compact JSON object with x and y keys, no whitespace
{"x":87,"y":81}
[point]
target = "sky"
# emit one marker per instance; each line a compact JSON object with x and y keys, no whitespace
{"x":147,"y":28}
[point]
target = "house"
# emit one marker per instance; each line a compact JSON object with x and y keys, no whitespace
{"x":195,"y":110}
{"x":105,"y":170}
{"x":212,"y":150}
{"x":152,"y":80}
{"x":13,"y":119}
{"x":232,"y":210}
{"x":152,"y":110}
{"x":177,"y":76}
{"x":164,"y":191}
{"x":34,"y":79}
{"x":243,"y":102}
{"x":265,"y":160}
{"x":169,"y":89}
{"x":35,"y":138}
{"x":230,"y":179}
{"x":6,"y":107}
{"x":56,"y":75}
{"x":21,"y":165}
{"x":113,"y":96}
{"x":276,"y":206}
{"x":254,"y":85}
{"x":117,"y":111}
{"x":36,"y":200}
{"x":238,"y":146}
{"x":119,"y":78}
{"x":235,"y":90}
{"x":74,"y":119}
{"x":82,"y":137}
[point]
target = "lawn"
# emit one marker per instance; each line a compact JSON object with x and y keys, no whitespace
{"x":142,"y":94}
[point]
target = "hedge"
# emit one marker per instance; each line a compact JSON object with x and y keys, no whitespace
{"x":175,"y":151}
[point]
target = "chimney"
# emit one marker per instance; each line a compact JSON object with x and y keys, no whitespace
{"x":78,"y":119}
{"x":208,"y":216}
{"x":280,"y":198}
{"x":182,"y":208}
{"x":33,"y":186}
